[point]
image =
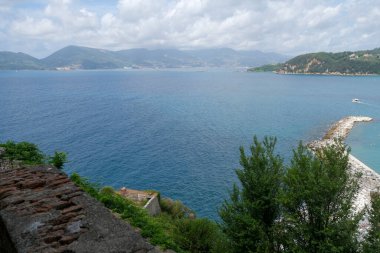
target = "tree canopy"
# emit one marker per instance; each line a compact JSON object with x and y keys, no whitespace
{"x":303,"y":207}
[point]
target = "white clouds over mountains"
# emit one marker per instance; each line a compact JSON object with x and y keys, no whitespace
{"x":285,"y":26}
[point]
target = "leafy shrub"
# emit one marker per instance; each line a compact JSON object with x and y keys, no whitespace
{"x":199,"y":235}
{"x":107,"y":190}
{"x":58,"y":160}
{"x":175,"y":208}
{"x":25,"y":152}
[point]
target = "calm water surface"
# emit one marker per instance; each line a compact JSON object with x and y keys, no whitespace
{"x":179,"y":131}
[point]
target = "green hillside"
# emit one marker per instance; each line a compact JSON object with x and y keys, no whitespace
{"x":345,"y":63}
{"x":18,"y":61}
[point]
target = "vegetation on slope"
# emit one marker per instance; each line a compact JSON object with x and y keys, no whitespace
{"x":344,"y":63}
{"x":267,"y":68}
{"x":14,"y":61}
{"x":173,"y":229}
{"x":29,"y":153}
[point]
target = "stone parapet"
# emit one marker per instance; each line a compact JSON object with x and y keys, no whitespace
{"x":41,"y":210}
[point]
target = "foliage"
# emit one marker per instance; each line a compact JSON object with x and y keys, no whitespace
{"x":199,"y":235}
{"x":317,"y":201}
{"x":248,"y":218}
{"x":58,"y":160}
{"x":175,"y":208}
{"x":372,"y":240}
{"x":91,"y":188}
{"x":26,"y":152}
{"x":359,"y":62}
{"x":267,"y":68}
{"x":168,"y":230}
{"x":308,"y":208}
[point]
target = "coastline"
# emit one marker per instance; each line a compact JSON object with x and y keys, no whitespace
{"x":324,"y":73}
{"x":370,"y":180}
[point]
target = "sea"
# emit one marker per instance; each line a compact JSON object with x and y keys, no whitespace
{"x":178,"y":131}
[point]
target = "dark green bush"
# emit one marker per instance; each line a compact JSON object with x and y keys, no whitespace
{"x":199,"y":235}
{"x":58,"y":160}
{"x":26,"y":152}
{"x":176,"y":209}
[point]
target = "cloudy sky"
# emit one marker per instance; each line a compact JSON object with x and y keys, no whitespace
{"x":39,"y":27}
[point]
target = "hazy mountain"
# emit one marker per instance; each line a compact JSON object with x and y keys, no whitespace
{"x":83,"y":58}
{"x":161,"y":58}
{"x":75,"y":57}
{"x":10,"y":60}
{"x":344,"y":63}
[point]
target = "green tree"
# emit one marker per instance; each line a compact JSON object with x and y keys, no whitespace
{"x":249,"y":217}
{"x":58,"y":160}
{"x":318,"y":195}
{"x":372,"y":240}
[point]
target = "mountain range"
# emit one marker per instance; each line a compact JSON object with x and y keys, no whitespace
{"x":365,"y":62}
{"x":76,"y":57}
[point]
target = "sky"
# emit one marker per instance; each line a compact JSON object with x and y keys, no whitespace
{"x":291,"y":27}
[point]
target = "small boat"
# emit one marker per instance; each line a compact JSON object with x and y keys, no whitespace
{"x":355,"y":100}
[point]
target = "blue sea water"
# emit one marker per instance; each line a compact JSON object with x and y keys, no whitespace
{"x":177,"y":131}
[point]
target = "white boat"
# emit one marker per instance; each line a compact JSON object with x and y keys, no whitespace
{"x":355,"y":100}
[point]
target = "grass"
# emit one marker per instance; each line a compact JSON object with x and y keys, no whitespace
{"x":159,"y":229}
{"x":172,"y":229}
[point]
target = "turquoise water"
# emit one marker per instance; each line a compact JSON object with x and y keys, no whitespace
{"x":179,"y":132}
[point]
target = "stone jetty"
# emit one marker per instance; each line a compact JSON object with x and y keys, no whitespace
{"x":370,"y":180}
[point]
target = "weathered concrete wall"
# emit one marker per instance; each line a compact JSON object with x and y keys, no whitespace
{"x":6,"y":244}
{"x":153,"y":206}
{"x":43,"y":211}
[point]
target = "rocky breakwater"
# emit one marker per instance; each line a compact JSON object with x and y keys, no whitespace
{"x":370,"y":180}
{"x":41,"y":210}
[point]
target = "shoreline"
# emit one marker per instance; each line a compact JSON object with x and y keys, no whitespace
{"x":324,"y":74}
{"x":370,"y":180}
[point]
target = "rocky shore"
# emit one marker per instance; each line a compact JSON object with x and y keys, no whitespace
{"x":370,"y":180}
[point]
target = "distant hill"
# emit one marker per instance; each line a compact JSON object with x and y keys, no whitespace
{"x":82,"y":58}
{"x":158,"y":58}
{"x":75,"y":57}
{"x":365,"y":62}
{"x":14,"y":61}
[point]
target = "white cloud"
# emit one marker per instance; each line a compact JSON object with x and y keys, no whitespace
{"x":32,"y":27}
{"x":285,"y":26}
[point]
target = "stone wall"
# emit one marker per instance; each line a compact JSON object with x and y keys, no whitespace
{"x":41,"y":210}
{"x":153,"y":206}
